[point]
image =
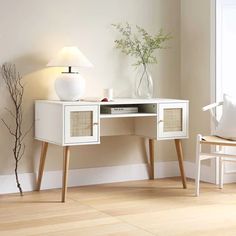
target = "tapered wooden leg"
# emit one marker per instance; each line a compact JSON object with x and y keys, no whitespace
{"x":66,"y":159}
{"x":181,"y":161}
{"x":44,"y":149}
{"x":151,"y":153}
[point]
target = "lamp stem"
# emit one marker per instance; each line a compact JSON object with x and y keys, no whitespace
{"x":69,"y":69}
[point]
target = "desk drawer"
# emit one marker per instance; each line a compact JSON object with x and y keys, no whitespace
{"x":81,"y":124}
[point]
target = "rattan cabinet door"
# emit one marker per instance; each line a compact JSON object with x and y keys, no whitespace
{"x":81,"y":124}
{"x":172,"y":120}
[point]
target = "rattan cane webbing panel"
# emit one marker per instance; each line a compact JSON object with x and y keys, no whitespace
{"x":172,"y":119}
{"x":81,"y":123}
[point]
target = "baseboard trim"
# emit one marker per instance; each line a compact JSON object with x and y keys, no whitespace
{"x":88,"y":176}
{"x":206,"y":172}
{"x":8,"y":183}
{"x":229,"y":178}
{"x":101,"y":175}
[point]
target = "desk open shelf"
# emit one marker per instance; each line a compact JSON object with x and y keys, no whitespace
{"x":107,"y":116}
{"x":144,"y":110}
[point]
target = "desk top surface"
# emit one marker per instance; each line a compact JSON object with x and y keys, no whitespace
{"x":116,"y":101}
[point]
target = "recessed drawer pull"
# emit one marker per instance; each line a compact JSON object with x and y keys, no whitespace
{"x":95,"y":123}
{"x":160,"y":121}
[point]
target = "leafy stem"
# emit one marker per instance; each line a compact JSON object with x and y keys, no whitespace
{"x":140,"y":44}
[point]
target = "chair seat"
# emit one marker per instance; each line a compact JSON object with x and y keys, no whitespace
{"x":217,"y":141}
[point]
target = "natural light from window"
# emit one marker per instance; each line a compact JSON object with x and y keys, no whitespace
{"x":226,"y":48}
{"x":226,"y":58}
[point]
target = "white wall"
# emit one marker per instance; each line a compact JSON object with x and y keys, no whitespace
{"x":196,"y":67}
{"x":31,"y":32}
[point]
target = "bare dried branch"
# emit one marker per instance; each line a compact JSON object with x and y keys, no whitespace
{"x":9,"y":129}
{"x":15,"y":87}
{"x":26,"y":133}
{"x":10,"y":112}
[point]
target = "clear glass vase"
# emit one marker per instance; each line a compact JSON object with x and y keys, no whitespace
{"x":143,"y":82}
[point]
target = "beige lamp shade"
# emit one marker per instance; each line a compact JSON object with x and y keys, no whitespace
{"x":70,"y":57}
{"x":70,"y":86}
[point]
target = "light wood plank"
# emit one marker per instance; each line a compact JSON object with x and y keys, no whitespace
{"x":158,"y":207}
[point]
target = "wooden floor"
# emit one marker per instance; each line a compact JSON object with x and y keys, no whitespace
{"x":159,"y":207}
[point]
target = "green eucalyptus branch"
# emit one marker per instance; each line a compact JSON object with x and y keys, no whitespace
{"x":140,"y":44}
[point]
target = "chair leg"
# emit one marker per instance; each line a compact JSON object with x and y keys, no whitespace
{"x":221,"y":172}
{"x":198,"y":165}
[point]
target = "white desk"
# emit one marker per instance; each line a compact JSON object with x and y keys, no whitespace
{"x":83,"y":123}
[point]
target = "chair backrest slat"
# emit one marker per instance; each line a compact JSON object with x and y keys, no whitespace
{"x":211,"y":107}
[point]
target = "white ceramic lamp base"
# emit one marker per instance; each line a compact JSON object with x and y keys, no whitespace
{"x":70,"y":86}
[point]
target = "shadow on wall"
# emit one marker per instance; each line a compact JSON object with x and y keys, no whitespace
{"x":29,"y":63}
{"x":38,"y":84}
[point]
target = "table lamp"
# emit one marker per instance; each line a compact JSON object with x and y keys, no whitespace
{"x":70,"y":86}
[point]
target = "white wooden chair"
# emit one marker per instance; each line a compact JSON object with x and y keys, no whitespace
{"x":219,"y":143}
